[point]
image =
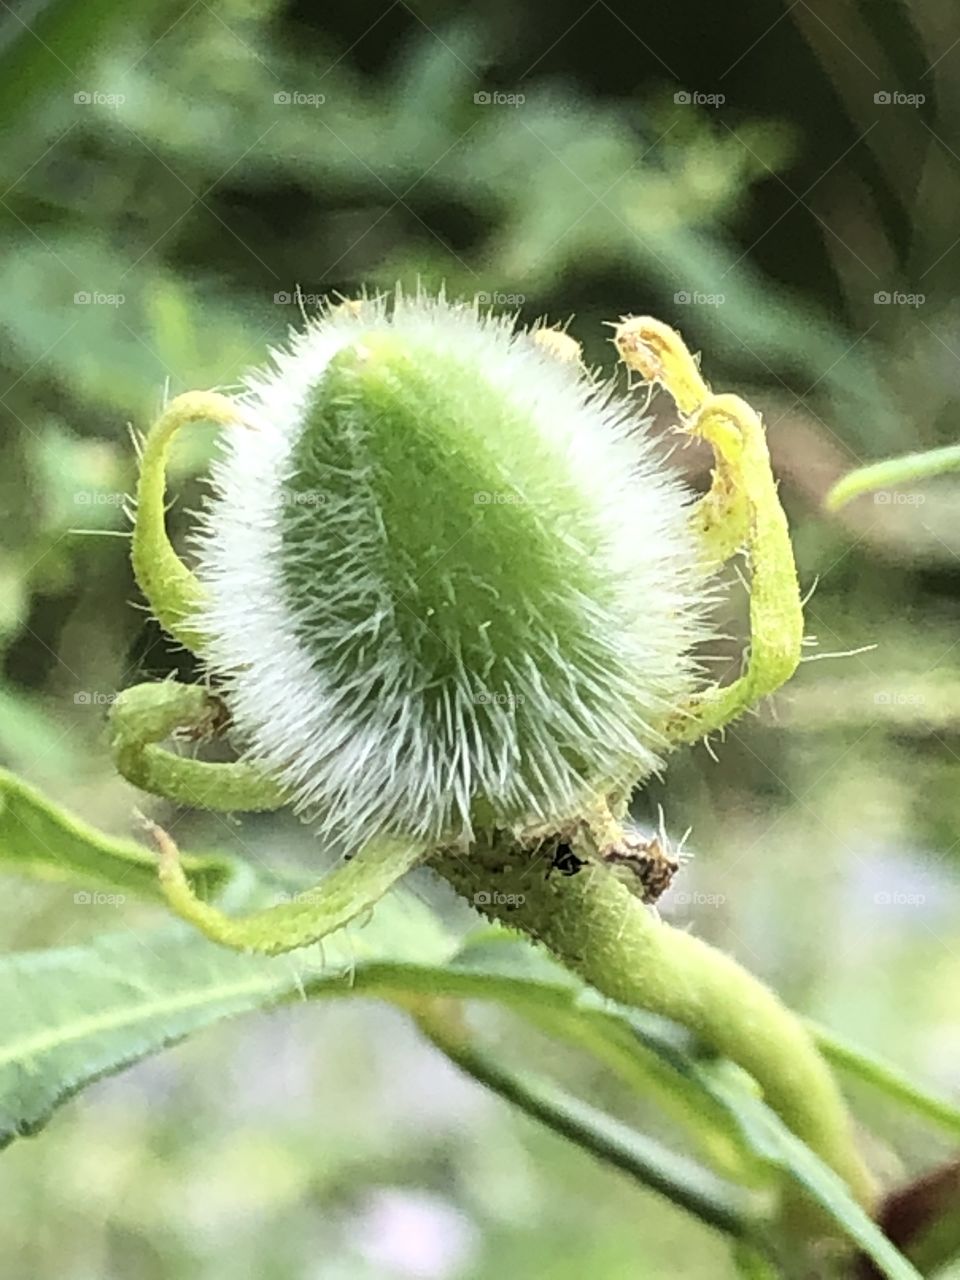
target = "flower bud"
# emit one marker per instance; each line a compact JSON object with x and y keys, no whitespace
{"x":449,"y":583}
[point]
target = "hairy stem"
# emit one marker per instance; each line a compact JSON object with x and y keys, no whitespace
{"x":144,"y":716}
{"x":172,"y":591}
{"x":598,"y":928}
{"x":346,"y":892}
{"x":741,"y":511}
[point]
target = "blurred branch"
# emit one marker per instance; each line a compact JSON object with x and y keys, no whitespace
{"x":893,"y":473}
{"x":714,"y":1201}
{"x":886,"y":1077}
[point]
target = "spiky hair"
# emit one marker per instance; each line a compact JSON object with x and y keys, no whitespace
{"x":449,"y":581}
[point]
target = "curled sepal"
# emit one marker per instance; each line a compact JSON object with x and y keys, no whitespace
{"x":741,"y":511}
{"x":146,"y":715}
{"x":347,"y":892}
{"x":172,"y":591}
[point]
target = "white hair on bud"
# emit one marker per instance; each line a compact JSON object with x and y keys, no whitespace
{"x":358,"y":766}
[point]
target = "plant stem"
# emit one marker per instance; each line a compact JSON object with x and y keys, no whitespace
{"x":883,"y":1075}
{"x":172,"y":591}
{"x":720,"y":1204}
{"x":892,"y":473}
{"x":593,"y":924}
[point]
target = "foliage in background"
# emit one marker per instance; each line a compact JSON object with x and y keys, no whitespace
{"x":827,"y":842}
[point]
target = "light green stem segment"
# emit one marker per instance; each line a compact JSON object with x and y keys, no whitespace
{"x":347,"y":892}
{"x":172,"y":591}
{"x":776,"y":613}
{"x":595,"y":925}
{"x":742,"y":511}
{"x":144,"y":716}
{"x":893,"y":473}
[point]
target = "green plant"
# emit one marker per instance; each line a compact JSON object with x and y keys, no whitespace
{"x":563,"y":866}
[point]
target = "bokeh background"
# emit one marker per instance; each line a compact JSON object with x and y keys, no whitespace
{"x":778,"y":180}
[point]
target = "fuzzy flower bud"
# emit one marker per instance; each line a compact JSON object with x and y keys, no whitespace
{"x":449,"y":584}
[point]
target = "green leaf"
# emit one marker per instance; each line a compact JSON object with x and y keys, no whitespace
{"x":768,"y":1132}
{"x":72,"y":1015}
{"x":80,"y":1013}
{"x":655,"y":1057}
{"x":723,"y":1205}
{"x":42,"y":840}
{"x":886,"y":1077}
{"x":721,"y":1084}
{"x":49,"y":46}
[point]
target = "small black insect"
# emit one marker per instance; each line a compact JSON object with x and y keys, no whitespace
{"x":566,"y":861}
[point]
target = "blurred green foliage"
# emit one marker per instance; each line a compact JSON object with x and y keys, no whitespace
{"x":826,"y":840}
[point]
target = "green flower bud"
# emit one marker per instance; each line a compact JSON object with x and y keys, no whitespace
{"x":449,"y":583}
